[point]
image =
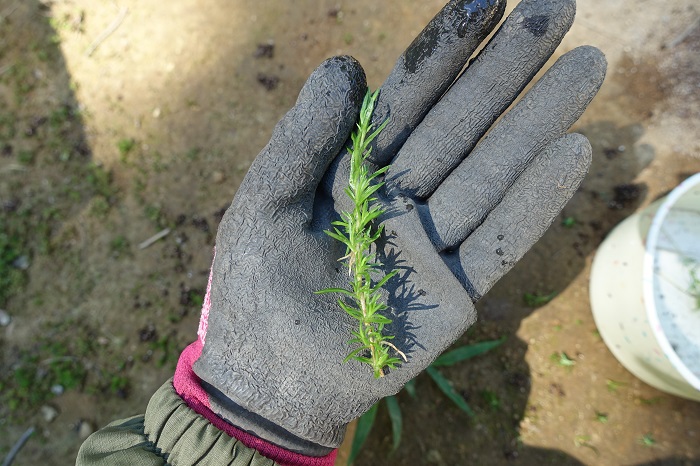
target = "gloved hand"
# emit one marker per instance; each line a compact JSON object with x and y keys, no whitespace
{"x":465,"y":199}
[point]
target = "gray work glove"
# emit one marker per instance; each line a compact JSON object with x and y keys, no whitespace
{"x":465,"y":199}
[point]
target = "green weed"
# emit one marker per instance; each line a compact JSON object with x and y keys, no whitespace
{"x":119,"y":246}
{"x":25,"y":157}
{"x":568,"y":222}
{"x":648,"y":440}
{"x":118,"y":385}
{"x":449,"y":358}
{"x":99,"y":207}
{"x":166,"y":347}
{"x":585,"y":441}
{"x":193,"y":153}
{"x":613,"y":386}
{"x":125,"y":146}
{"x":491,"y":399}
{"x":41,"y":373}
{"x":155,"y":214}
{"x":563,"y":360}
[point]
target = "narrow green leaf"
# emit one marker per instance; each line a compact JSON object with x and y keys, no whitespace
{"x":335,"y":290}
{"x":383,"y":281}
{"x":448,"y":390}
{"x":394,"y":409}
{"x":466,"y":352}
{"x":381,"y":171}
{"x":411,"y":387}
{"x":337,"y":235}
{"x":363,"y":359}
{"x":364,"y":426}
{"x":368,"y":217}
{"x":377,"y":319}
{"x":353,"y":354}
{"x":379,"y":129}
{"x":393,"y":362}
{"x":373,"y":188}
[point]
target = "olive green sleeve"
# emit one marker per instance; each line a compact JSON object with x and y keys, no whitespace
{"x":170,"y":433}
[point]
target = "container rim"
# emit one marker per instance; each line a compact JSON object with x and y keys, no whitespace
{"x":648,"y":278}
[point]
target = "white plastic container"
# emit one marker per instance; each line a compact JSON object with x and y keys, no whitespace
{"x":642,"y":292}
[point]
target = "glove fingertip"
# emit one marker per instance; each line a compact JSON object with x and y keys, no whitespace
{"x":340,"y":75}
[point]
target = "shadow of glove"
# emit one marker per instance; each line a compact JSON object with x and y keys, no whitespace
{"x":470,"y":189}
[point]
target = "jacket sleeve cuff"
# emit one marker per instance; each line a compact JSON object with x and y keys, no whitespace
{"x":170,"y":433}
{"x":187,"y":385}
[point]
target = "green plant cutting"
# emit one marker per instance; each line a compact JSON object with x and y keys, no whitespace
{"x":356,"y":230}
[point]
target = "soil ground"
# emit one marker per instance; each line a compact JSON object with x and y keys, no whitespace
{"x":108,"y":139}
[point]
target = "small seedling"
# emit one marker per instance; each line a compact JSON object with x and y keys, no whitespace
{"x":119,"y":385}
{"x":357,"y":232}
{"x":119,"y":246}
{"x":601,"y":417}
{"x":26,"y":157}
{"x":649,"y":401}
{"x":585,"y":441}
{"x":491,"y":399}
{"x":563,"y":360}
{"x":613,"y":385}
{"x":538,"y":300}
{"x":193,"y":153}
{"x":568,"y":222}
{"x":648,"y":440}
{"x":125,"y":146}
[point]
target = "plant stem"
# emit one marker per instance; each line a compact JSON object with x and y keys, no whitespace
{"x":357,"y":235}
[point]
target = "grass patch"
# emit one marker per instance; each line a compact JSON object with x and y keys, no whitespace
{"x":42,"y":372}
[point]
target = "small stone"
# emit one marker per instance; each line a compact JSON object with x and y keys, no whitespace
{"x":85,"y":429}
{"x":22,"y":263}
{"x":57,"y":389}
{"x":48,"y":413}
{"x":434,"y":457}
{"x":5,"y":318}
{"x":156,"y":112}
{"x":217,"y":177}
